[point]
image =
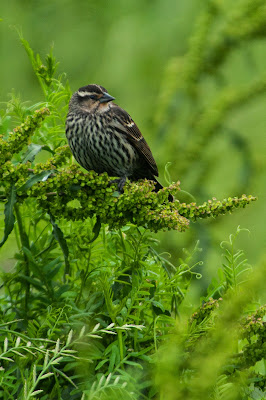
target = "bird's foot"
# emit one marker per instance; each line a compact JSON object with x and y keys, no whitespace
{"x":120,"y":183}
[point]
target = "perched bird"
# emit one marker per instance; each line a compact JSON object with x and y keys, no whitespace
{"x":104,"y":138}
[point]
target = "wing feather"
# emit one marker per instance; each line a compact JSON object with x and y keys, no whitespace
{"x":124,"y":124}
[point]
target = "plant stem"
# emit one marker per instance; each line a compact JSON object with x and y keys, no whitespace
{"x":24,"y":240}
{"x":121,"y":347}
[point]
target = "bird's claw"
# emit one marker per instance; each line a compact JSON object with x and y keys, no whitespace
{"x":120,"y":183}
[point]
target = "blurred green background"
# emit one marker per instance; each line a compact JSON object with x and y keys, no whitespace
{"x":135,"y":50}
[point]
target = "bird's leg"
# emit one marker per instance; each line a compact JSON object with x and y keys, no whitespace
{"x":120,"y":183}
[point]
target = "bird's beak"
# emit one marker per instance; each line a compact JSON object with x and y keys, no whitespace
{"x":105,"y":98}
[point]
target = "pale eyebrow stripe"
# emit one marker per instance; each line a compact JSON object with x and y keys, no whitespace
{"x":83,"y":94}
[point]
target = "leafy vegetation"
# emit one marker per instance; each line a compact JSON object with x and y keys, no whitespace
{"x":91,"y":308}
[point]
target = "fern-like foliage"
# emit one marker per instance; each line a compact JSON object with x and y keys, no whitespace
{"x":235,"y":269}
{"x":91,"y":309}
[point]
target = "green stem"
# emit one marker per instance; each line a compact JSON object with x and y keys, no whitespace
{"x":121,"y":347}
{"x":24,"y":240}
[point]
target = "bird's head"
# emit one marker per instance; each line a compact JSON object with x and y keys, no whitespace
{"x":90,"y":98}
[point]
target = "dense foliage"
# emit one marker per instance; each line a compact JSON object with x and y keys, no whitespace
{"x":91,"y":308}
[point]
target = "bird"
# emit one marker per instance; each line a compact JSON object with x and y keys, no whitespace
{"x":103,"y":137}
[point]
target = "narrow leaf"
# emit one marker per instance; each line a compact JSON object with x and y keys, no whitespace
{"x":96,"y":327}
{"x":5,"y":344}
{"x":82,"y":331}
{"x":32,"y":151}
{"x":28,"y":50}
{"x":116,"y":380}
{"x":95,"y":336}
{"x":101,"y":381}
{"x":46,"y":375}
{"x":9,"y":215}
{"x":34,"y":373}
{"x":101,"y":363}
{"x":6,"y":358}
{"x":65,"y":376}
{"x":34,"y":282}
{"x":108,"y":379}
{"x":69,"y":338}
{"x":59,"y":236}
{"x":96,"y":229}
{"x":56,"y":350}
{"x":17,"y":352}
{"x":46,"y":359}
{"x":105,"y":331}
{"x":41,"y":177}
{"x":36,"y":392}
{"x":69,"y":352}
{"x":135,"y":364}
{"x":51,"y":265}
{"x":110,"y":326}
{"x":57,"y":360}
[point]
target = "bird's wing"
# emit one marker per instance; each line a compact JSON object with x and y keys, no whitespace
{"x":123,"y":123}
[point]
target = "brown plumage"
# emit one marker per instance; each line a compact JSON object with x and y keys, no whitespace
{"x":104,"y":138}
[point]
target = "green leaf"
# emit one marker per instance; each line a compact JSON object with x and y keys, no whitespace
{"x":158,"y":305}
{"x":9,"y":215}
{"x":29,"y":255}
{"x":33,"y":150}
{"x":5,"y":124}
{"x":41,"y":177}
{"x":101,"y":363}
{"x":36,"y":392}
{"x":53,"y":268}
{"x":185,"y":197}
{"x":34,"y":282}
{"x":59,"y":236}
{"x":133,"y":363}
{"x":69,"y":294}
{"x":113,"y":357}
{"x":28,"y":50}
{"x":96,"y":229}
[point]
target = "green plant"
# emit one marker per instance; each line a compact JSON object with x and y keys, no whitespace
{"x":90,"y":308}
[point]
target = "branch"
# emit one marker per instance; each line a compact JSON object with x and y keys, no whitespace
{"x":76,"y":195}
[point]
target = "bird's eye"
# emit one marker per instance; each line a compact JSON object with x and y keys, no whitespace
{"x":93,"y":96}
